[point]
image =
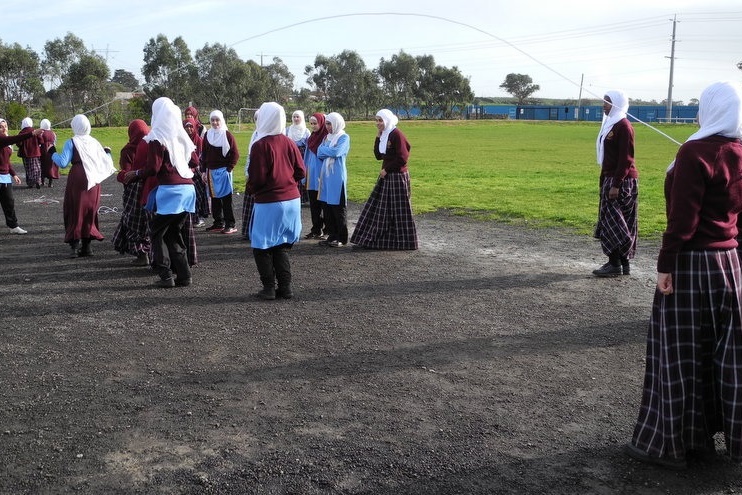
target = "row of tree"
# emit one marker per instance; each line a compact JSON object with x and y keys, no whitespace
{"x":68,"y":79}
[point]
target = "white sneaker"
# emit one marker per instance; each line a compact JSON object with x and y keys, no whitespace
{"x":18,"y":230}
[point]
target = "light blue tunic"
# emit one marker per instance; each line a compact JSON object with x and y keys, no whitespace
{"x":313,"y":165}
{"x":333,"y":178}
{"x":172,"y":199}
{"x":6,"y":179}
{"x":276,"y":223}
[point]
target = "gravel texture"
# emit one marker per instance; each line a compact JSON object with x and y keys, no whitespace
{"x":490,"y":361}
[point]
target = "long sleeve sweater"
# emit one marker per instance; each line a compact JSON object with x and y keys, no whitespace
{"x":703,"y":194}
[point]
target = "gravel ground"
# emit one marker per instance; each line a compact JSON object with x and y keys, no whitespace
{"x":488,"y":362}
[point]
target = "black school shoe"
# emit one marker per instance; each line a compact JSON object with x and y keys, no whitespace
{"x":666,"y":462}
{"x":608,"y":270}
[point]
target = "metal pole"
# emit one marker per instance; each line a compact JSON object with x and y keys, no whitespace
{"x":668,"y":113}
{"x":579,"y":98}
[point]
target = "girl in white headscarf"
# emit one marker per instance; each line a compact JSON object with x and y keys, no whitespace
{"x":219,"y":155}
{"x":47,"y":139}
{"x":617,"y":226}
{"x":169,"y":159}
{"x":693,"y":379}
{"x":30,"y":152}
{"x":276,"y":168}
{"x":386,"y":220}
{"x":91,"y":165}
{"x":299,"y":134}
{"x":334,"y":180}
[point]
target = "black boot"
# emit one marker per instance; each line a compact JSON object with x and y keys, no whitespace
{"x":625,"y":267}
{"x":74,"y":245}
{"x":610,"y":269}
{"x":85,"y":250}
{"x":264,"y":262}
{"x":282,"y":266}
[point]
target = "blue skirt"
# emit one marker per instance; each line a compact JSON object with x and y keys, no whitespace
{"x":172,"y":199}
{"x":274,"y":224}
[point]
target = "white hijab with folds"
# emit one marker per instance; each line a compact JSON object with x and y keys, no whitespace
{"x":98,"y":164}
{"x":297,"y":132}
{"x":272,"y":120}
{"x":167,"y":128}
{"x":338,"y":129}
{"x":27,"y":122}
{"x":45,"y":124}
{"x":390,"y":123}
{"x":218,"y":137}
{"x":619,"y":107}
{"x":719,"y":112}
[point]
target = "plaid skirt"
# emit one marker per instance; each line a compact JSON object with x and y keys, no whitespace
{"x":247,"y":208}
{"x":617,"y":226}
{"x":693,"y":378}
{"x":203,"y":208}
{"x":132,"y":233}
{"x":386,"y":219}
{"x":33,"y":171}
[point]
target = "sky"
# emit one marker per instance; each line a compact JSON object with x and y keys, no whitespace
{"x":570,"y":48}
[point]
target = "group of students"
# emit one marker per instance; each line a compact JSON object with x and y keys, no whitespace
{"x":693,"y":376}
{"x":176,"y":172}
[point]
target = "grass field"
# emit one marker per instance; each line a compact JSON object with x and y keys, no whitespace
{"x":534,"y":173}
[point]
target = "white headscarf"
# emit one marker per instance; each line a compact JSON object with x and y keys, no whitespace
{"x":27,"y":122}
{"x":720,"y":111}
{"x":218,"y":137}
{"x":45,"y":124}
{"x":297,"y":131}
{"x":272,"y":120}
{"x":619,"y":107}
{"x":338,"y":126}
{"x":167,"y":128}
{"x":390,"y":123}
{"x":98,"y":164}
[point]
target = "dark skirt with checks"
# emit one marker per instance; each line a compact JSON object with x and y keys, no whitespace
{"x":33,"y":171}
{"x":386,"y":220}
{"x":203,"y":207}
{"x":618,"y":226}
{"x":693,"y":378}
{"x":132,"y":233}
{"x":247,"y":207}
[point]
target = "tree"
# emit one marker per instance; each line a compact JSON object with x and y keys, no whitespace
{"x":520,"y":86}
{"x":226,"y":79}
{"x":169,"y":69}
{"x":59,"y":55}
{"x":20,"y":74}
{"x":399,"y":79}
{"x":86,"y":87}
{"x":126,"y":79}
{"x":344,"y":82}
{"x":282,"y":81}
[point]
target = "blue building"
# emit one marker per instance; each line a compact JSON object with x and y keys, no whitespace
{"x":649,"y":113}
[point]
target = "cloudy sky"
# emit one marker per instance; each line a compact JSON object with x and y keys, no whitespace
{"x":565,"y":45}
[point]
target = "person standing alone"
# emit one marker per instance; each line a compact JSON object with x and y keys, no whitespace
{"x":617,"y":225}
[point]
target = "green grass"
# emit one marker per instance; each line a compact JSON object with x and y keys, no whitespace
{"x":542,"y":174}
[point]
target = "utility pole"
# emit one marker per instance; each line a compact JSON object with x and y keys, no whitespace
{"x":668,"y":113}
{"x":579,"y":98}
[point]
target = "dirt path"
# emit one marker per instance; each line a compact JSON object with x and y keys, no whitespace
{"x":488,"y":362}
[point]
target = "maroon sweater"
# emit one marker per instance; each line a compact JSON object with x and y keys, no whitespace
{"x":276,"y":168}
{"x":212,"y":158}
{"x":618,"y":153}
{"x":397,"y":152}
{"x":703,"y":194}
{"x":6,"y":151}
{"x":159,"y":165}
{"x":30,"y":147}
